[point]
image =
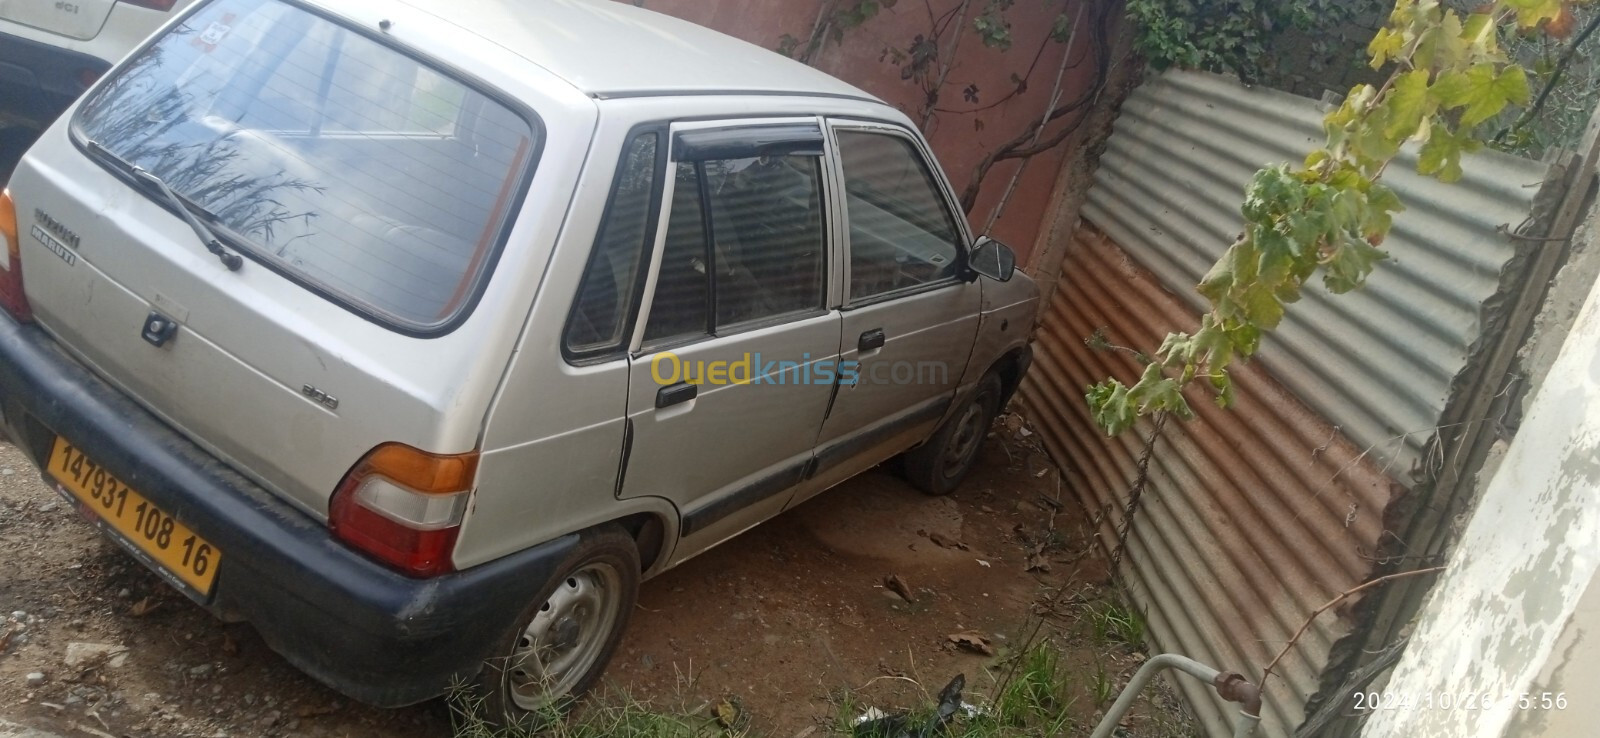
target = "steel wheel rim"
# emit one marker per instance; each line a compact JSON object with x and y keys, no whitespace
{"x":565,"y":638}
{"x":964,"y":443}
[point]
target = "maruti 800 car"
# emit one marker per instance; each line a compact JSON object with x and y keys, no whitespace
{"x":418,"y":334}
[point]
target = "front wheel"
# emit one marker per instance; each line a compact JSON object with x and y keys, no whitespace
{"x":940,"y":463}
{"x":559,"y":646}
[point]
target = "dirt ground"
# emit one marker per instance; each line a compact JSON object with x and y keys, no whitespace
{"x":786,"y":621}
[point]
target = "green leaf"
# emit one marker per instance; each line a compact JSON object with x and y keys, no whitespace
{"x":1483,"y":90}
{"x":1407,"y":103}
{"x":1382,"y":203}
{"x":1273,"y":191}
{"x":1108,"y":403}
{"x":1348,"y":266}
{"x":1223,"y":384}
{"x":1155,"y":391}
{"x":1532,"y":12}
{"x":1442,"y":45}
{"x":1480,"y":34}
{"x":1385,"y":46}
{"x":1262,"y":306}
{"x":1441,"y":155}
{"x":1277,"y":253}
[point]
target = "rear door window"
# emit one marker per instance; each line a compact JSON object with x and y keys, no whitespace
{"x":361,"y":171}
{"x":745,"y":246}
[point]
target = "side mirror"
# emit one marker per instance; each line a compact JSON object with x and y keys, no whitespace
{"x":992,"y":259}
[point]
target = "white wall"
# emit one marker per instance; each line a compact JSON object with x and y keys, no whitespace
{"x":1518,"y":611}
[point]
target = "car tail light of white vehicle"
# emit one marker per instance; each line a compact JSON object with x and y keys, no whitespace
{"x":12,"y":297}
{"x":404,"y":507}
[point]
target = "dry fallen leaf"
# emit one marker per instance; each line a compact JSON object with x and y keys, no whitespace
{"x":727,"y":714}
{"x":144,"y":607}
{"x":899,"y":587}
{"x":943,"y":541}
{"x":972,"y":642}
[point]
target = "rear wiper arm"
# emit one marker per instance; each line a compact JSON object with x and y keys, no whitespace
{"x":229,"y":259}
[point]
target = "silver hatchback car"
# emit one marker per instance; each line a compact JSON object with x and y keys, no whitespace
{"x":419,"y":333}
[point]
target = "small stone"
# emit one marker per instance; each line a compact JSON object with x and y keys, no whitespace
{"x":201,"y":671}
{"x":19,"y":615}
{"x":7,"y":471}
{"x":270,"y":719}
{"x":35,"y":679}
{"x":79,"y":654}
{"x":125,"y":593}
{"x":249,"y":699}
{"x":47,"y":506}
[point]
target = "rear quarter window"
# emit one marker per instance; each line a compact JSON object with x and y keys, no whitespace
{"x":372,"y":177}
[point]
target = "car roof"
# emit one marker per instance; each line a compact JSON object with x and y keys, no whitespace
{"x":613,"y":49}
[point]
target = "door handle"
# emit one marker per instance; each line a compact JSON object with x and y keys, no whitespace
{"x":676,"y":394}
{"x":870,"y":340}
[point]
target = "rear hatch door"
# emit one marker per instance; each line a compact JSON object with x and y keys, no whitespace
{"x":369,"y":195}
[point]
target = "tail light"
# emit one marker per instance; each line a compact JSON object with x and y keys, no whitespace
{"x":404,"y":507}
{"x":12,"y":297}
{"x":161,"y":5}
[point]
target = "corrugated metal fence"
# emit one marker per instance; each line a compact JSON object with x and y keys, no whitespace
{"x":1254,"y":517}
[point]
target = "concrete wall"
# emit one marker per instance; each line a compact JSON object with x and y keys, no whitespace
{"x":1518,"y":611}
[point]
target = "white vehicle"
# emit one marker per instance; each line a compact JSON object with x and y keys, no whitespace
{"x":419,"y":333}
{"x":52,"y":50}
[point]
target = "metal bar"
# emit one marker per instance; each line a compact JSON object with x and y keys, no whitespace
{"x":1231,"y":686}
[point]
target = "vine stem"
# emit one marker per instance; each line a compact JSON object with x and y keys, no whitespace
{"x":1055,"y":98}
{"x":1555,"y":79}
{"x":946,"y":62}
{"x":1268,"y":672}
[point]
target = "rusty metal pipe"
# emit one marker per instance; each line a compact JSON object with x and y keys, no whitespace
{"x":1229,"y":685}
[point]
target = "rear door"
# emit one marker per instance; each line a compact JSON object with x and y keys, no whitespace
{"x":77,"y":19}
{"x":733,"y":366}
{"x":909,"y":318}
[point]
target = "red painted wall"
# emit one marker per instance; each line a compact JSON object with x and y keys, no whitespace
{"x":961,"y":132}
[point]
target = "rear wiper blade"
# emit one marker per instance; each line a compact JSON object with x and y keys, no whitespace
{"x":229,"y":259}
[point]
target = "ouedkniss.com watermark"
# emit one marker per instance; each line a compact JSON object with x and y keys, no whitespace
{"x":668,"y":368}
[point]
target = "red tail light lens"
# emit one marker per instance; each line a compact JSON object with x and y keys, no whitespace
{"x":404,"y":507}
{"x":161,"y":5}
{"x":12,"y":298}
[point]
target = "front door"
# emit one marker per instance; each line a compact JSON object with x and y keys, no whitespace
{"x":733,"y":366}
{"x":909,"y":317}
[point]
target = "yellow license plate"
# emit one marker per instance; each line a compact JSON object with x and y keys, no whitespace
{"x":169,"y":543}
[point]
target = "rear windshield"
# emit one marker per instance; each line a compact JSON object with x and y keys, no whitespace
{"x":364,"y":173}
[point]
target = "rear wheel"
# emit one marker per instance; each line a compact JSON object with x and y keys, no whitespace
{"x":559,"y":646}
{"x":939,"y":464}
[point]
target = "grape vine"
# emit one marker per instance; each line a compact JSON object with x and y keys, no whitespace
{"x":1330,"y":215}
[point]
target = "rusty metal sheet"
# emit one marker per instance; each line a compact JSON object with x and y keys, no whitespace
{"x":1253,"y":516}
{"x":1378,"y":363}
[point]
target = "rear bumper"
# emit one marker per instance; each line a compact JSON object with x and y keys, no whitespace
{"x":373,"y":634}
{"x":38,"y":81}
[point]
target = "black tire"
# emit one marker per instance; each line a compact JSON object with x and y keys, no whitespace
{"x":940,"y":463}
{"x":605,"y":560}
